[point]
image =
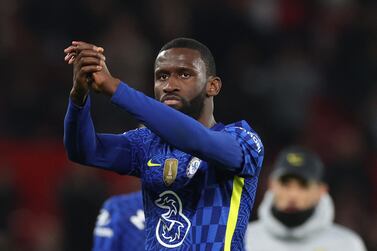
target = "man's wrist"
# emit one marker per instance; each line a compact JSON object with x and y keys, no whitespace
{"x":78,"y":98}
{"x":112,"y":86}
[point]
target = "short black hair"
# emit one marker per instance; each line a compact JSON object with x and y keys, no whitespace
{"x":190,"y":43}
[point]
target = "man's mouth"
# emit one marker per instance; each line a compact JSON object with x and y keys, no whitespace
{"x":171,"y":100}
{"x":291,"y":209}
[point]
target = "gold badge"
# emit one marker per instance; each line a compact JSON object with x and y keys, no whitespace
{"x":170,"y":171}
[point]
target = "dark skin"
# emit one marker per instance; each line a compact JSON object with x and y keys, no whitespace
{"x":180,"y":76}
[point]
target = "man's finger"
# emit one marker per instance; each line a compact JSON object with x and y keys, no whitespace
{"x":90,"y":69}
{"x":89,"y":53}
{"x":72,"y":60}
{"x":84,"y":61}
{"x":69,"y":56}
{"x":70,"y":49}
{"x":79,"y":45}
{"x":81,"y":58}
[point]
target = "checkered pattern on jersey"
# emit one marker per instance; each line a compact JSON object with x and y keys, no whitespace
{"x":208,"y":209}
{"x":209,"y":222}
{"x":246,"y":206}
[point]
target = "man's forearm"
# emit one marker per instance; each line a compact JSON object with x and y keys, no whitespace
{"x":85,"y":146}
{"x":77,"y":122}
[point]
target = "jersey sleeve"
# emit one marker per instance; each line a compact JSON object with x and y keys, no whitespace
{"x":251,"y":145}
{"x":116,"y":152}
{"x":178,"y":129}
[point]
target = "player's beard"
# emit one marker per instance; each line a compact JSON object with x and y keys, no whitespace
{"x":194,"y":107}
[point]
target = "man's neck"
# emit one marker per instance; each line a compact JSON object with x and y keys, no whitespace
{"x":208,"y":122}
{"x":206,"y":117}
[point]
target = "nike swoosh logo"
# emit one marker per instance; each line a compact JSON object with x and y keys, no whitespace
{"x":150,"y":164}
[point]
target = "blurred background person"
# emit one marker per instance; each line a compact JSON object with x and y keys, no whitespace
{"x":297,"y":212}
{"x":120,"y":224}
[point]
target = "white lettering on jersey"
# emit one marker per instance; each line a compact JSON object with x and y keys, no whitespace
{"x":103,"y":219}
{"x":255,"y":138}
{"x":103,"y":232}
{"x":138,"y":220}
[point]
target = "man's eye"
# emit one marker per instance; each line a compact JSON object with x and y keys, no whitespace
{"x":185,"y":75}
{"x":163,"y":76}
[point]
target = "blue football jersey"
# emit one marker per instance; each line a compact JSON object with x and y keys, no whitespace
{"x":192,"y":204}
{"x":120,"y":224}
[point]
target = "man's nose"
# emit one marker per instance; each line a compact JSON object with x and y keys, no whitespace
{"x":293,"y":194}
{"x":171,"y":85}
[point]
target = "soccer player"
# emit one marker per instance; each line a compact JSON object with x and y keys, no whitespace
{"x":297,"y":212}
{"x":120,"y":224}
{"x":198,"y":176}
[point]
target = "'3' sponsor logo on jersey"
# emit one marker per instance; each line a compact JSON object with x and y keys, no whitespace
{"x":173,"y":225}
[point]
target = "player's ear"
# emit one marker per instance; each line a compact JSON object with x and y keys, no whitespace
{"x":324,"y":188}
{"x":213,"y":86}
{"x":272,"y":183}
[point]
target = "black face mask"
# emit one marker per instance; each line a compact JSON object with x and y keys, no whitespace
{"x":292,"y":219}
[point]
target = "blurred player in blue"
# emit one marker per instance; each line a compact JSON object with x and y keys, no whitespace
{"x":198,"y":176}
{"x":120,"y":224}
